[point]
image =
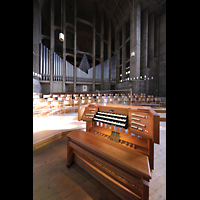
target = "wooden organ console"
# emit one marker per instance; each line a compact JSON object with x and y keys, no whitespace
{"x":117,"y":147}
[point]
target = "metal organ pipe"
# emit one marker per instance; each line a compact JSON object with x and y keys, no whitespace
{"x":44,"y":63}
{"x":61,"y":69}
{"x":65,"y":69}
{"x":41,"y":48}
{"x":58,"y":68}
{"x":49,"y":63}
{"x":54,"y":66}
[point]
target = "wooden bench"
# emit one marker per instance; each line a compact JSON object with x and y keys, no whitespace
{"x":124,"y":171}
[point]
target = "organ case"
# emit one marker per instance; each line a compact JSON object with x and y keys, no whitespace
{"x":138,"y":125}
{"x":122,"y":164}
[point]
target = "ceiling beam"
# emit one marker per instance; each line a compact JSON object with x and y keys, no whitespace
{"x":130,"y":3}
{"x":45,"y":37}
{"x":84,"y":22}
{"x":156,"y":4}
{"x":119,"y":8}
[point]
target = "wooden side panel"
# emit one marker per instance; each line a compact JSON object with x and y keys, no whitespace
{"x":89,"y":113}
{"x":156,"y":125}
{"x":156,"y":129}
{"x":81,"y":110}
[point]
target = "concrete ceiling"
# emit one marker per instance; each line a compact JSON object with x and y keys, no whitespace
{"x":116,"y":10}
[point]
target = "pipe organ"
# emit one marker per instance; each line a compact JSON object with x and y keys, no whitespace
{"x":117,"y":147}
{"x":45,"y":65}
{"x":81,"y":76}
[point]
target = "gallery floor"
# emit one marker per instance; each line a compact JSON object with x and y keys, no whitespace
{"x":53,"y":180}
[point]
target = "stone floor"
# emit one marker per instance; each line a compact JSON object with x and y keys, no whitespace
{"x":47,"y":126}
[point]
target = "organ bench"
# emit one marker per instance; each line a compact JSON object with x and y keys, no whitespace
{"x":117,"y":147}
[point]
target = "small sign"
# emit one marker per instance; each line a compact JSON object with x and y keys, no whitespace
{"x":84,"y":88}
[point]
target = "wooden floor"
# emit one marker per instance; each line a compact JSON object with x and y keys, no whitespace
{"x":54,"y":181}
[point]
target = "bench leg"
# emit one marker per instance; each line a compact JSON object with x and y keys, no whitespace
{"x":145,"y":191}
{"x":151,"y":154}
{"x":70,"y":154}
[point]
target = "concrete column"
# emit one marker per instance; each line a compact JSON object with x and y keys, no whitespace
{"x":94,"y":46}
{"x":144,"y":43}
{"x":117,"y":54}
{"x":135,"y":43}
{"x":151,"y":41}
{"x":109,"y":51}
{"x":102,"y":48}
{"x":123,"y":51}
{"x":75,"y":43}
{"x":151,"y":70}
{"x":64,"y":46}
{"x":162,"y":56}
{"x":51,"y":44}
{"x":157,"y":54}
{"x":36,"y":35}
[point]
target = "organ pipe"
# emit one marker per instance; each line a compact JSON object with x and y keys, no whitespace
{"x":54,"y":65}
{"x":60,"y":68}
{"x":41,"y":48}
{"x":49,"y":64}
{"x":45,"y":65}
{"x":44,"y":62}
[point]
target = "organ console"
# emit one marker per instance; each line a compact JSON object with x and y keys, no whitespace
{"x":138,"y":125}
{"x":117,"y":129}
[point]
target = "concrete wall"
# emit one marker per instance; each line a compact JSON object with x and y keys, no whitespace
{"x":153,"y":57}
{"x":36,"y":86}
{"x":162,"y":57}
{"x":139,"y":86}
{"x":79,"y":87}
